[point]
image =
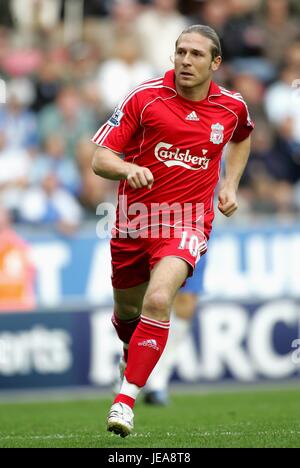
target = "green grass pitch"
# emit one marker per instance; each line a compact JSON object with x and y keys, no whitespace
{"x":268,"y":418}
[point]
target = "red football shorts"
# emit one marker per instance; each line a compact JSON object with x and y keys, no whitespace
{"x":133,"y":259}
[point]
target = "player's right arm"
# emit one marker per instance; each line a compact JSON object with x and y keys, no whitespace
{"x":112,"y":140}
{"x":106,"y":163}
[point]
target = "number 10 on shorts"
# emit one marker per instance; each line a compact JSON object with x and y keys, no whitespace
{"x":193,"y":243}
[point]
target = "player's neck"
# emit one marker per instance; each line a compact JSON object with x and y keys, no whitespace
{"x":197,"y":93}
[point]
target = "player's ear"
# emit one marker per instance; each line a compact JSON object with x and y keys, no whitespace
{"x":216,"y":63}
{"x":172,"y":58}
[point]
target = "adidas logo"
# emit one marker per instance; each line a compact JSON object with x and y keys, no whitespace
{"x":149,"y":344}
{"x":192,"y":116}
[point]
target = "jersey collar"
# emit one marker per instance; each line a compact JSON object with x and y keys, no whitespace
{"x":169,"y":82}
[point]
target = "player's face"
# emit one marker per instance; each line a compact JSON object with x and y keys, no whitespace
{"x":193,"y":60}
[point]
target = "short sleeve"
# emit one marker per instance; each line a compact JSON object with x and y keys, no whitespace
{"x":245,"y":124}
{"x":119,"y":129}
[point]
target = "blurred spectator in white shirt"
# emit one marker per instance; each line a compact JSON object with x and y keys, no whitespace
{"x":119,"y":75}
{"x":30,"y":14}
{"x":159,"y":27}
{"x":282,"y":103}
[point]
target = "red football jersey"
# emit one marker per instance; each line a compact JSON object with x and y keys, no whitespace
{"x":179,"y":140}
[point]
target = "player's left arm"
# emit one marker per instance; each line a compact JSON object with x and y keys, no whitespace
{"x":237,"y":154}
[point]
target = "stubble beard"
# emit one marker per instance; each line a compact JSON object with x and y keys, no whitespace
{"x":194,"y":84}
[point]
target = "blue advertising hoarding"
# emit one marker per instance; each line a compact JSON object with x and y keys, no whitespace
{"x":246,"y":328}
{"x":232,"y":341}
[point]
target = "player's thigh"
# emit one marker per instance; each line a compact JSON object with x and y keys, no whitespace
{"x":185,"y":304}
{"x":128,"y":302}
{"x":167,"y":277}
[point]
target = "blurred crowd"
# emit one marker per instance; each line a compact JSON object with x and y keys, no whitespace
{"x":65,"y":65}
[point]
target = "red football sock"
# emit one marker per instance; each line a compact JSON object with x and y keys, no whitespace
{"x":145,"y":348}
{"x":125,"y":329}
{"x":129,"y":401}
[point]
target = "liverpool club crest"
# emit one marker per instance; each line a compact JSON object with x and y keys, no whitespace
{"x":217,"y":134}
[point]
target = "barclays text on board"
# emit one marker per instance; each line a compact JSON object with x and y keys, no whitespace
{"x":237,"y":342}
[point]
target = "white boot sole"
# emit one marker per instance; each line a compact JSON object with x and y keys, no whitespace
{"x":118,"y":427}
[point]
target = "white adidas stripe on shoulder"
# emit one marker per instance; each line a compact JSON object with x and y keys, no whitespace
{"x":233,"y":96}
{"x":106,"y":128}
{"x":232,"y":93}
{"x":236,"y":96}
{"x":147,"y":85}
{"x":228,"y":90}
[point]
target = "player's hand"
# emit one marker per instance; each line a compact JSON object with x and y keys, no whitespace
{"x":227,"y":201}
{"x":139,"y":177}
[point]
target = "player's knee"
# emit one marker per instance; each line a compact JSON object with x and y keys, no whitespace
{"x":157,"y":305}
{"x":125,"y":311}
